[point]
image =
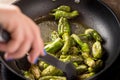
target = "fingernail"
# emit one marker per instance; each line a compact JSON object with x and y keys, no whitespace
{"x":8,"y":58}
{"x":45,"y":53}
{"x":36,"y":60}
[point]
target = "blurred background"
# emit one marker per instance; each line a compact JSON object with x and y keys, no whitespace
{"x":115,"y":5}
{"x":6,"y":1}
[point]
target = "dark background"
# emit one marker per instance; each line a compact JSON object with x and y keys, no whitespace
{"x":115,"y":6}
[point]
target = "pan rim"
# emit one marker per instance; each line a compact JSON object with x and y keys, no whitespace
{"x":116,"y":18}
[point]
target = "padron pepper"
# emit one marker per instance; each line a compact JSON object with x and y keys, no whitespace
{"x":68,"y":15}
{"x":91,"y":33}
{"x":90,"y":62}
{"x":74,"y":50}
{"x":66,"y":47}
{"x":54,"y":46}
{"x":54,"y":35}
{"x":98,"y":66}
{"x":85,"y":55}
{"x":77,"y":58}
{"x":29,"y":75}
{"x":84,"y":46}
{"x":63,"y":26}
{"x":73,"y":58}
{"x":97,"y":50}
{"x":53,"y":78}
{"x":42,"y":65}
{"x":62,"y":8}
{"x":81,"y":69}
{"x":65,"y":58}
{"x":51,"y":71}
{"x":86,"y":75}
{"x":34,"y":69}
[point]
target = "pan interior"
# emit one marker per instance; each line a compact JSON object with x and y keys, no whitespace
{"x":92,"y":13}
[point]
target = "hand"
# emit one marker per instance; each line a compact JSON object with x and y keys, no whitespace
{"x":24,"y":32}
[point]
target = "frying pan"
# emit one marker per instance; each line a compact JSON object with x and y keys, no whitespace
{"x":93,"y":13}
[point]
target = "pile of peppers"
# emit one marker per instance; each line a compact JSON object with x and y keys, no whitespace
{"x":68,"y":46}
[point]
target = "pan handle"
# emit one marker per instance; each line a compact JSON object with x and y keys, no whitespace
{"x":4,"y":35}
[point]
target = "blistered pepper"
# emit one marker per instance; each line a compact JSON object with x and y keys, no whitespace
{"x":62,"y":8}
{"x":68,"y":15}
{"x":51,"y":71}
{"x":53,"y":78}
{"x":54,"y":46}
{"x":84,"y":46}
{"x":66,"y":47}
{"x":63,"y":26}
{"x":54,"y":35}
{"x":91,"y":33}
{"x":34,"y":69}
{"x":97,"y":50}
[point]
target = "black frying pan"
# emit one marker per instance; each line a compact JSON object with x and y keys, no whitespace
{"x":93,"y":13}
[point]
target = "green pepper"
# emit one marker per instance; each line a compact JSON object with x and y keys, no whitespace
{"x":54,"y":46}
{"x":62,"y":8}
{"x":51,"y":71}
{"x":73,"y":58}
{"x":97,"y":50}
{"x":86,"y":75}
{"x":90,"y":62}
{"x":74,"y":50}
{"x":53,"y":78}
{"x":85,"y":55}
{"x":63,"y":26}
{"x":73,"y":43}
{"x":81,"y":69}
{"x":29,"y":75}
{"x":91,"y":33}
{"x":98,"y":66}
{"x":66,"y":46}
{"x":84,"y":46}
{"x":65,"y":58}
{"x":54,"y":35}
{"x":76,"y":58}
{"x":42,"y":65}
{"x":34,"y":69}
{"x":75,"y":64}
{"x":68,"y":15}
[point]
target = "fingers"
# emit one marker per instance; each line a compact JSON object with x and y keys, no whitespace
{"x":23,"y":49}
{"x":37,"y":48}
{"x":35,"y":52}
{"x":13,"y":44}
{"x":24,"y":35}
